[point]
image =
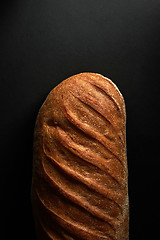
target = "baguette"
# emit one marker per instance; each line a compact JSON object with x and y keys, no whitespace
{"x":80,"y":176}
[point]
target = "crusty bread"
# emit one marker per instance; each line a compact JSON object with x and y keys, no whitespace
{"x":80,"y":177}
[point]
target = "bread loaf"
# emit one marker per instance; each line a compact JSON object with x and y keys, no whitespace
{"x":79,"y":185}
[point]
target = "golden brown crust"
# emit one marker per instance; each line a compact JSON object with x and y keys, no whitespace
{"x":79,"y":187}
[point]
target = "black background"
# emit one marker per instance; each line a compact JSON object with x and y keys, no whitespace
{"x":44,"y":42}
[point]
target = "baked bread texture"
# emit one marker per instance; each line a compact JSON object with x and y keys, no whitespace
{"x":80,"y":177}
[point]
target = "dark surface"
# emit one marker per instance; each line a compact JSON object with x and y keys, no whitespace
{"x":43,"y":43}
